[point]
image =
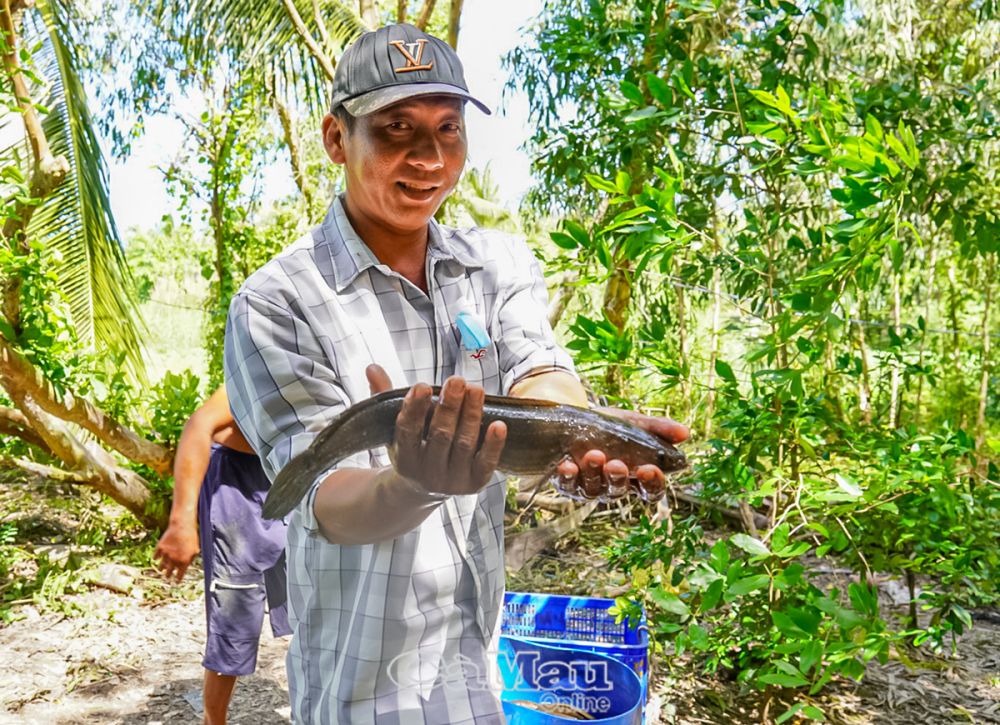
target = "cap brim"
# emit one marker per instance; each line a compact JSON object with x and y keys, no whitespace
{"x":384,"y":97}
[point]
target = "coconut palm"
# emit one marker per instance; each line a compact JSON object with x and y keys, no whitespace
{"x":75,"y":218}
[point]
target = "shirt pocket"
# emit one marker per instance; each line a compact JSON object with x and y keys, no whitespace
{"x":480,"y":367}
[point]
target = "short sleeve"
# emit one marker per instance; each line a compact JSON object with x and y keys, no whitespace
{"x":525,"y":342}
{"x":282,"y":390}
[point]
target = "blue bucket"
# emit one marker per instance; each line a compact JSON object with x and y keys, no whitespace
{"x":602,"y":686}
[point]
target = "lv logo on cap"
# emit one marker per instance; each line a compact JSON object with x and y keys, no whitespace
{"x":413,"y":52}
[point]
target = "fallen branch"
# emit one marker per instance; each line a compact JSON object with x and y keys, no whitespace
{"x":759,"y":520}
{"x":521,"y":548}
{"x":92,"y":463}
{"x":13,"y":423}
{"x":547,"y":502}
{"x":27,"y":379}
{"x":40,"y":469}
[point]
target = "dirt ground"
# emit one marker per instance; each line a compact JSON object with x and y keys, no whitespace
{"x":126,"y":649}
{"x":124,"y":662}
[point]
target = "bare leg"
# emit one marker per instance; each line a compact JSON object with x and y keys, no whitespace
{"x":217,"y":692}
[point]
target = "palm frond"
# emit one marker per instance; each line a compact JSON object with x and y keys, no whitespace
{"x":76,"y":219}
{"x":259,"y":38}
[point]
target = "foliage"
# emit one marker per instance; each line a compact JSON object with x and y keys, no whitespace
{"x":785,"y":203}
{"x":75,"y":219}
{"x":174,"y":399}
{"x":743,"y":607}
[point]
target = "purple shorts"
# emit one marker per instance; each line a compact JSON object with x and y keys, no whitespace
{"x":244,"y":560}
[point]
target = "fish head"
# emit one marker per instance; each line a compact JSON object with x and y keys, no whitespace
{"x":670,"y":459}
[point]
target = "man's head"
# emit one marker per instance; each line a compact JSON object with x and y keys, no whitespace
{"x":394,"y":63}
{"x":397,"y":124}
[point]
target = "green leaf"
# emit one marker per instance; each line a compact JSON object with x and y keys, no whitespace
{"x":669,"y":602}
{"x":814,"y":712}
{"x":660,"y":90}
{"x":810,"y":656}
{"x":563,"y":240}
{"x":750,"y":545}
{"x":790,"y":712}
{"x":600,"y":184}
{"x":724,"y":370}
{"x":632,"y":92}
{"x":784,"y":680}
{"x":746,"y":585}
{"x":641,"y":114}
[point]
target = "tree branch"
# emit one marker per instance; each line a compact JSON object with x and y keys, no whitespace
{"x":40,"y":469}
{"x":326,"y":63}
{"x":425,"y":14}
{"x":320,"y":25}
{"x":401,"y":11}
{"x":13,"y":423}
{"x":368,"y":10}
{"x":22,"y":376}
{"x":454,"y":21}
{"x":292,"y":141}
{"x":93,"y":464}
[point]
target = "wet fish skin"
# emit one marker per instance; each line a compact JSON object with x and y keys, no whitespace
{"x":539,"y":434}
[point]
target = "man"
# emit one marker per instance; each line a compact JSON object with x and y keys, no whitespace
{"x":396,"y":567}
{"x":219,"y":488}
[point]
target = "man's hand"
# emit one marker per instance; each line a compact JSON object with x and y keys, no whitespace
{"x":450,"y":459}
{"x":175,"y":550}
{"x":595,"y":476}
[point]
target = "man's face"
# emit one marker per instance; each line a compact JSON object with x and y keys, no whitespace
{"x":401,"y":162}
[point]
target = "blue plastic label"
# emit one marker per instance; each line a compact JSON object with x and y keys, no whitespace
{"x":472,"y":330}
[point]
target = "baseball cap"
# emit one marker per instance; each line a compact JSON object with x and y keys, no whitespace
{"x":393,"y":63}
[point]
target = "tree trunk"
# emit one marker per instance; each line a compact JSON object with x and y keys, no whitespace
{"x":864,"y":384}
{"x":894,"y":393}
{"x":617,"y":298}
{"x":454,"y":22}
{"x":714,"y":349}
{"x":425,"y":14}
{"x":14,"y":423}
{"x":928,"y":296}
{"x":294,"y":151}
{"x":368,"y":10}
{"x":984,"y":381}
{"x":561,"y":299}
{"x":48,"y":173}
{"x":682,"y":345}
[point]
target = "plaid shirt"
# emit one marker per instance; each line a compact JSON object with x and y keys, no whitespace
{"x":382,"y":630}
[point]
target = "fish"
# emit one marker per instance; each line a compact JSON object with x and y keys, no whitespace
{"x":564,"y":710}
{"x":540,"y":433}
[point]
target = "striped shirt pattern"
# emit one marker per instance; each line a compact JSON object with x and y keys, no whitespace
{"x":398,"y":631}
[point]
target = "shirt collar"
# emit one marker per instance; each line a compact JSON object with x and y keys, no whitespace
{"x":351,"y":256}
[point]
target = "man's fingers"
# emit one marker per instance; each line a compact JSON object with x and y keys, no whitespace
{"x":410,"y":429}
{"x":651,"y":482}
{"x":488,"y":458}
{"x":667,"y":429}
{"x":592,"y":474}
{"x":616,"y":474}
{"x":466,"y":438}
{"x":565,"y":476}
{"x":378,"y":379}
{"x":441,"y":433}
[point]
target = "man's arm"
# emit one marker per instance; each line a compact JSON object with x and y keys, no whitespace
{"x":179,"y":543}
